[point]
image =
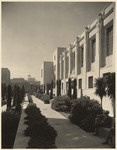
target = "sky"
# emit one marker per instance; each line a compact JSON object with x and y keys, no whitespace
{"x":31,"y":31}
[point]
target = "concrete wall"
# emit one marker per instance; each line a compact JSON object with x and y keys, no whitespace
{"x":56,"y":68}
{"x":48,"y":72}
{"x":102,"y":63}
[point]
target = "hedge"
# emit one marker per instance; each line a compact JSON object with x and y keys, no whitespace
{"x":61,"y":103}
{"x":83,"y":113}
{"x":10,"y":121}
{"x":30,"y":98}
{"x":42,"y":135}
{"x":45,"y":98}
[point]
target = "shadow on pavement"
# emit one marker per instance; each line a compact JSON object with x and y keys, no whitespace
{"x":71,"y":136}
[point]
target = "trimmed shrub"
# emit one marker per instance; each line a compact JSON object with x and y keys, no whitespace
{"x":83,"y":113}
{"x":10,"y":121}
{"x":69,"y":88}
{"x":45,"y":98}
{"x":74,"y":89}
{"x":42,"y":135}
{"x":9,"y":97}
{"x":61,"y":103}
{"x":37,"y":95}
{"x":51,"y":93}
{"x":18,"y":99}
{"x":4,"y":102}
{"x":30,"y":98}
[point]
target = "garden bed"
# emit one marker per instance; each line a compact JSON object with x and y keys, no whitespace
{"x":10,"y":121}
{"x":41,"y":134}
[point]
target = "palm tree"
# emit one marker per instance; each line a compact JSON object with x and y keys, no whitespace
{"x":100,"y":88}
{"x":110,"y":81}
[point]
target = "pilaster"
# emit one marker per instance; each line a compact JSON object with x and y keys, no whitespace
{"x":98,"y":45}
{"x":76,"y":56}
{"x":85,"y":59}
{"x":60,"y":61}
{"x":70,"y":49}
{"x":64,"y":77}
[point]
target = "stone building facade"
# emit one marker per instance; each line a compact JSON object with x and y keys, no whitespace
{"x":56,"y":66}
{"x":90,"y":56}
{"x":46,"y":74}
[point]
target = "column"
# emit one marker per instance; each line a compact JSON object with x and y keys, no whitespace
{"x":69,"y":60}
{"x":60,"y":61}
{"x":85,"y":59}
{"x":114,"y":40}
{"x":64,"y":86}
{"x":65,"y":55}
{"x":98,"y":45}
{"x":76,"y":56}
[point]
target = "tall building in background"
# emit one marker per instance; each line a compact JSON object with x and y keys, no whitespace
{"x":46,"y":74}
{"x":91,"y":56}
{"x":5,"y":76}
{"x":31,"y":80}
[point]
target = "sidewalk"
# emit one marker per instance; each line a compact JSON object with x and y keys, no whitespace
{"x":21,"y":140}
{"x":69,"y":135}
{"x":4,"y":107}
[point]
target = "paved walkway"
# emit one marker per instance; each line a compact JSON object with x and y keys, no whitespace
{"x":4,"y":107}
{"x":21,"y":140}
{"x":69,"y":135}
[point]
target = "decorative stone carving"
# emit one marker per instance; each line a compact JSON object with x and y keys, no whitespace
{"x":77,"y":40}
{"x":99,"y":20}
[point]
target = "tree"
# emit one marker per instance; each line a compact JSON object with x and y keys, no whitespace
{"x":81,"y":93}
{"x":69,"y":87}
{"x":59,"y":86}
{"x":22,"y":93}
{"x":18,"y":106}
{"x":3,"y":91}
{"x":9,"y":97}
{"x":15,"y":95}
{"x":74,"y":89}
{"x":100,"y":86}
{"x":48,"y":88}
{"x":51,"y":94}
{"x":44,"y":89}
{"x":110,"y":81}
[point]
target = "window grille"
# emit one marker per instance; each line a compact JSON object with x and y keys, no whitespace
{"x":110,"y":41}
{"x":80,"y":83}
{"x":91,"y":82}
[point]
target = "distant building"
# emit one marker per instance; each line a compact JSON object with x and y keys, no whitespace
{"x":31,"y":80}
{"x":17,"y":80}
{"x":5,"y":76}
{"x":46,"y":73}
{"x":56,"y":66}
{"x":37,"y":83}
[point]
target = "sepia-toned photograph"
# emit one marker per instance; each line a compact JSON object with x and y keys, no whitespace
{"x":58,"y":74}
